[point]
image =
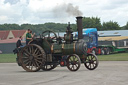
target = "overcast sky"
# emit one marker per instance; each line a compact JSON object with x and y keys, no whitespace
{"x":62,"y":11}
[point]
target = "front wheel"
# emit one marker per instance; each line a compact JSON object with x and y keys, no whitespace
{"x":91,"y":62}
{"x":73,"y":62}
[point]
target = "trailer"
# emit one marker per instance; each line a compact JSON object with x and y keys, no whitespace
{"x":103,"y":45}
{"x":113,"y":44}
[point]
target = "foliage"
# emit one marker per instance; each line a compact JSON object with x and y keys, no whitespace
{"x":110,"y":26}
{"x":92,"y":23}
{"x":37,"y":28}
{"x":126,"y":26}
{"x":88,"y":22}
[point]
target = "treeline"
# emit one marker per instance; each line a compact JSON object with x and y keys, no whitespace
{"x":88,"y":22}
{"x":95,"y":22}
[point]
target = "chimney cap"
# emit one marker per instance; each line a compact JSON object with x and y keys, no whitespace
{"x":79,"y":17}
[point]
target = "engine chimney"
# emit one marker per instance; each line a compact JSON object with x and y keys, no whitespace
{"x":79,"y":27}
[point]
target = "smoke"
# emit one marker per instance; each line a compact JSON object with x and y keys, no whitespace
{"x":64,"y":10}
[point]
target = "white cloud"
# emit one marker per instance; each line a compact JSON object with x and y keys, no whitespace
{"x":41,"y":11}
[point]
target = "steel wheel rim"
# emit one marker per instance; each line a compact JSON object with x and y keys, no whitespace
{"x":73,"y":62}
{"x":91,"y":62}
{"x":32,"y":58}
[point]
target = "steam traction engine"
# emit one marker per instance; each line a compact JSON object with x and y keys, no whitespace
{"x":48,"y":51}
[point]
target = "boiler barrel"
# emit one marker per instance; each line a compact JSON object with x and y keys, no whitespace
{"x":67,"y":49}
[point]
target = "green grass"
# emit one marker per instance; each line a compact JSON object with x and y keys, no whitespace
{"x":113,"y":57}
{"x":7,"y":58}
{"x":11,"y":58}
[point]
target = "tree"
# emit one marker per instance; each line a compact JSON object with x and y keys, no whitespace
{"x":110,"y":26}
{"x":126,"y":26}
{"x":93,"y":22}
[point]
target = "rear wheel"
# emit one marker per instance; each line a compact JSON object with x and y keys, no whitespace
{"x":32,"y":57}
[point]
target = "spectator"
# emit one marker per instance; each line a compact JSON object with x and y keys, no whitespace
{"x":28,"y":37}
{"x":18,"y":43}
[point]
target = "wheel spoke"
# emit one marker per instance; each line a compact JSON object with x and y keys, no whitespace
{"x":25,"y":60}
{"x":28,"y":63}
{"x":93,"y":65}
{"x":32,"y":66}
{"x":86,"y":61}
{"x":90,"y":65}
{"x":76,"y":65}
{"x":26,"y":52}
{"x":72,"y":67}
{"x":39,"y":55}
{"x":70,"y":59}
{"x":38,"y":61}
{"x":37,"y":64}
{"x":29,"y":48}
{"x":73,"y":58}
{"x":39,"y":58}
{"x":88,"y":58}
{"x":46,"y":66}
{"x":32,"y":49}
{"x":35,"y":51}
{"x":91,"y":57}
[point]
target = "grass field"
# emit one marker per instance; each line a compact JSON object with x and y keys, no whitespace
{"x":11,"y":58}
{"x":7,"y":58}
{"x":113,"y":57}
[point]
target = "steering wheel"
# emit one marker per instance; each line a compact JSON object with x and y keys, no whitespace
{"x":49,"y":35}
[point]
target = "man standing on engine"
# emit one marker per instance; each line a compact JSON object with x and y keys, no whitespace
{"x":28,"y":37}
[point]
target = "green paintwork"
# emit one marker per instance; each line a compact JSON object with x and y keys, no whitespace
{"x":113,"y":48}
{"x":68,"y":49}
{"x":46,"y":45}
{"x":57,"y":48}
